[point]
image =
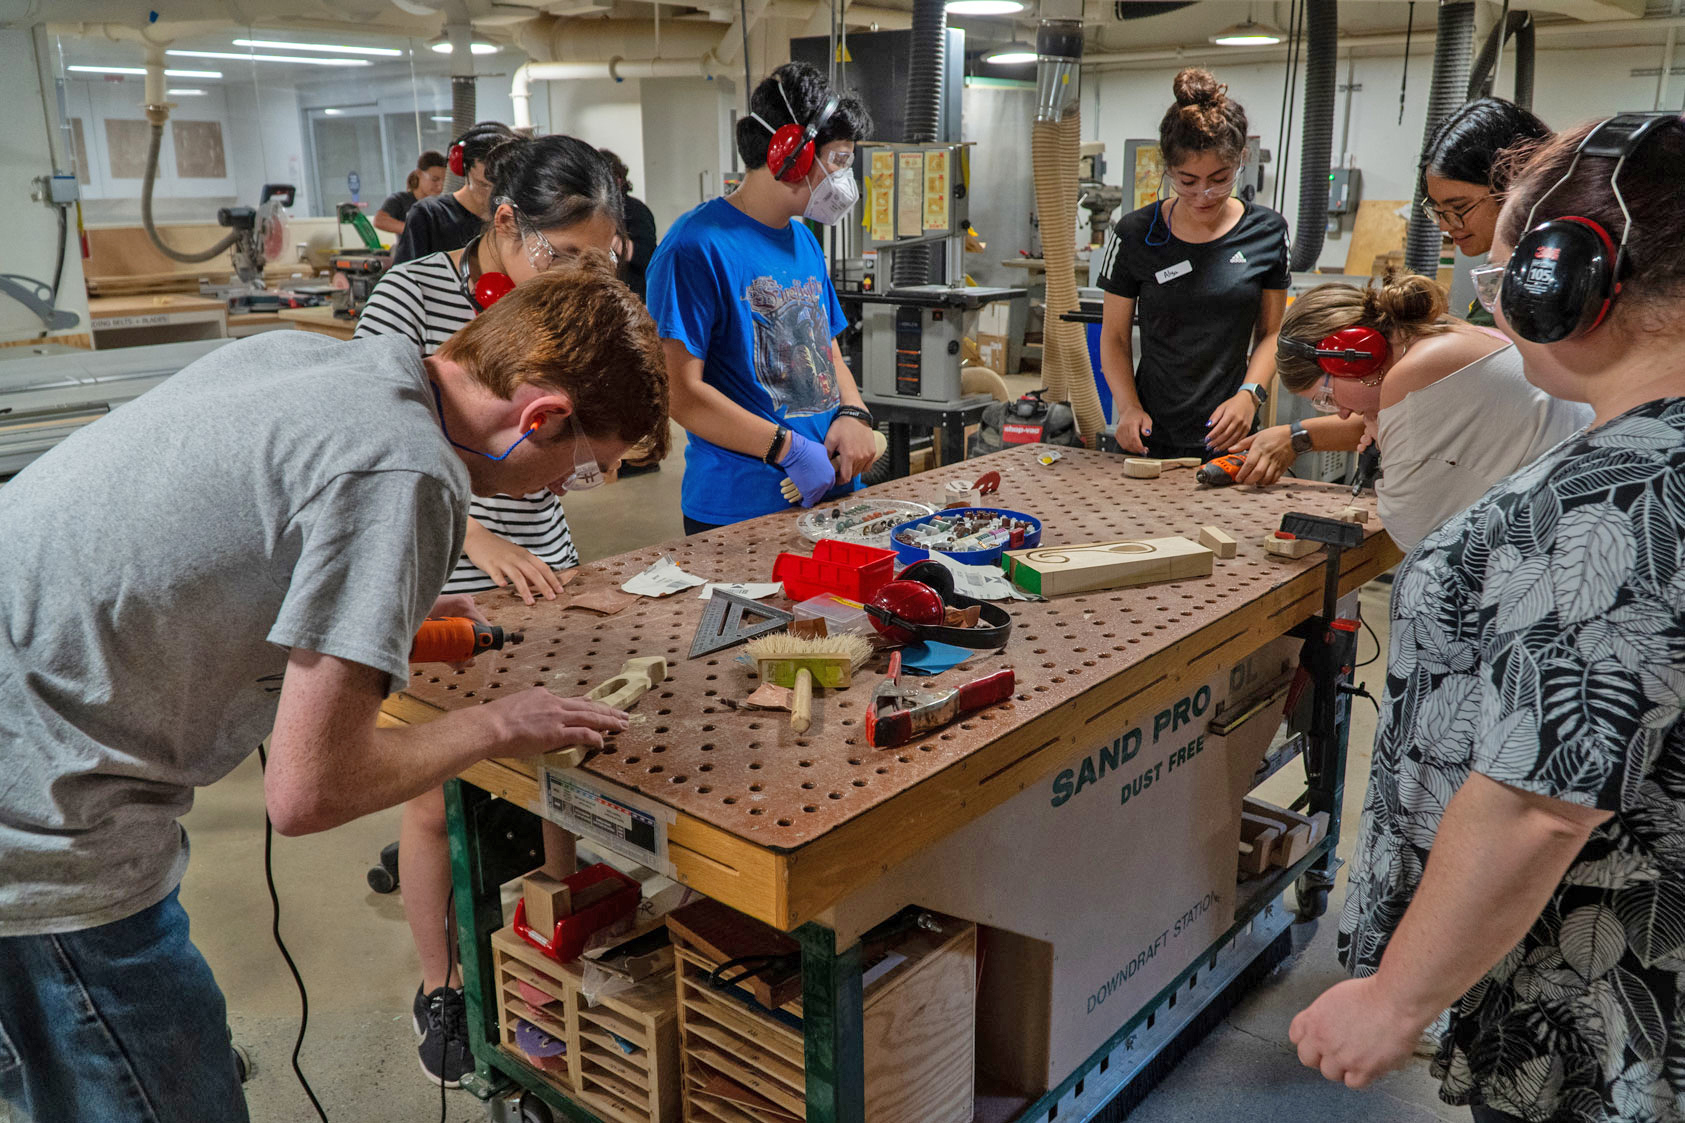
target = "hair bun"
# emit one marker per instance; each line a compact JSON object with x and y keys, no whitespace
{"x":1406,"y":299}
{"x":1197,"y":86}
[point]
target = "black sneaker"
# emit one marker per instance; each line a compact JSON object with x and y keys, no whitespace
{"x":444,"y":1051}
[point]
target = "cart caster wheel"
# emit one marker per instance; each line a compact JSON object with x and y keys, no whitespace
{"x":534,"y":1110}
{"x":384,"y":877}
{"x":1312,"y":900}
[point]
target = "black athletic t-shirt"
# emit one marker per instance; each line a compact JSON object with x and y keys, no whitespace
{"x":1197,"y":305}
{"x":436,"y":224}
{"x":640,"y":227}
{"x":398,"y":204}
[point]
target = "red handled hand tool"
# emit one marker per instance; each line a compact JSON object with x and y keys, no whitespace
{"x":899,"y":714}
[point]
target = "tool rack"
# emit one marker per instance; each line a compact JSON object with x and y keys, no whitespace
{"x":806,"y":832}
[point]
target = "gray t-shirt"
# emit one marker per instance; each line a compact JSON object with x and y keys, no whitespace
{"x":285,"y":491}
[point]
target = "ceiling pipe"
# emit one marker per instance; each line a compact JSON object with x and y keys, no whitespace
{"x":618,"y":69}
{"x":1544,"y":32}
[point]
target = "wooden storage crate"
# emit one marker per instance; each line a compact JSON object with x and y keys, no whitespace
{"x":622,"y":1058}
{"x":744,"y":1063}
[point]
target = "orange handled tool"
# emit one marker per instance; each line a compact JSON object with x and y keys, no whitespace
{"x":456,"y":639}
{"x":1221,"y":472}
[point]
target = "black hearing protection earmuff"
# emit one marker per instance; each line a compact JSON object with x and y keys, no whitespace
{"x":1354,"y":352}
{"x":1564,"y":274}
{"x":790,"y":152}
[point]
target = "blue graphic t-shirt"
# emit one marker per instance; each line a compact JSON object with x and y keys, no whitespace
{"x":756,"y":305}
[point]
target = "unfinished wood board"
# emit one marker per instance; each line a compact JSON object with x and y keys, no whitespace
{"x":1378,"y":230}
{"x":1291,"y":548}
{"x":637,"y":677}
{"x":1055,"y":571}
{"x":1218,"y":541}
{"x":748,"y":789}
{"x":1142,"y":468}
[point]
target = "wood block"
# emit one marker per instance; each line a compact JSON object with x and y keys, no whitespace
{"x":1140,"y":468}
{"x":1217,"y":541}
{"x":637,"y":677}
{"x":1358,"y":515}
{"x":548,"y":900}
{"x":1259,"y":837}
{"x":1294,"y":845}
{"x":1181,"y":462}
{"x":1055,"y":570}
{"x":813,"y":628}
{"x":1289,"y":547}
{"x":1285,"y":818}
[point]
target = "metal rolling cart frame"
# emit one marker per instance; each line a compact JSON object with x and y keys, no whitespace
{"x":1277,"y":598}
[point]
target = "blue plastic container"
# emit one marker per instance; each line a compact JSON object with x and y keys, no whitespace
{"x":907,"y":555}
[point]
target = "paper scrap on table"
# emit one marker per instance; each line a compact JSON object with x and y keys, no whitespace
{"x":754,"y":590}
{"x":662,"y":579}
{"x":979,"y":582}
{"x":928,"y":657}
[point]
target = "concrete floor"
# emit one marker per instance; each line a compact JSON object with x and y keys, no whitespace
{"x":354,"y":949}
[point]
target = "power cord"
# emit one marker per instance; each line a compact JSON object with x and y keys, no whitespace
{"x":275,"y":930}
{"x":1377,"y":639}
{"x":450,"y":960}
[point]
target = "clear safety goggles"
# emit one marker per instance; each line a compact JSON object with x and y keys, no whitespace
{"x":1216,"y":190}
{"x":1488,"y":282}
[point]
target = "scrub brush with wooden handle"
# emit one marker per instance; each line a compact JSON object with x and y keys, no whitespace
{"x":787,"y":660}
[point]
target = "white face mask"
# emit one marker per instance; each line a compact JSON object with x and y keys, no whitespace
{"x":835,"y":196}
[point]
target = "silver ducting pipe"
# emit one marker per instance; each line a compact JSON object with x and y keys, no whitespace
{"x":464,"y":94}
{"x":1453,"y":51}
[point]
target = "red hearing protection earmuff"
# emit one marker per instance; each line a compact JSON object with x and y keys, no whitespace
{"x":790,"y":152}
{"x":456,"y":161}
{"x":1564,"y":274}
{"x":491,"y":288}
{"x":1354,"y":352}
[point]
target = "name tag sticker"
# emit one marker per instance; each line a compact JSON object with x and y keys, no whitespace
{"x":1171,"y":272}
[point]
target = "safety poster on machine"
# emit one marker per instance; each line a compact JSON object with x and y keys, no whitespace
{"x":609,"y":815}
{"x":883,"y":195}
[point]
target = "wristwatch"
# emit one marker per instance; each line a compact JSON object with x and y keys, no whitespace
{"x":1259,"y":394}
{"x":1301,"y":440}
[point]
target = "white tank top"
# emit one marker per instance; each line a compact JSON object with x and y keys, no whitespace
{"x":1444,"y":445}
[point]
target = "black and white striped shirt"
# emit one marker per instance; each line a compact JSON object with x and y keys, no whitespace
{"x":424,"y":300}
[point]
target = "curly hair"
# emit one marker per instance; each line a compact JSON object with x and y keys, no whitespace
{"x":1204,"y":119}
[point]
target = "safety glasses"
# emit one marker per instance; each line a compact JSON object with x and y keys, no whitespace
{"x":1488,"y":282}
{"x":1216,"y":190}
{"x":839,"y":160}
{"x":1323,"y":400}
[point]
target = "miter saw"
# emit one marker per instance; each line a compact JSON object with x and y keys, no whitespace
{"x":260,"y":236}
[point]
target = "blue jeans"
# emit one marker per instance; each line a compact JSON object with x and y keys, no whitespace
{"x":119,"y":1022}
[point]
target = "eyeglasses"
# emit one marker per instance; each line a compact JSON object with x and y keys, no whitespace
{"x":586,"y":474}
{"x":1451,"y":219}
{"x":839,"y":160}
{"x":1488,"y":282}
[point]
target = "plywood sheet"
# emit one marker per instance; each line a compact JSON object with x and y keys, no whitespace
{"x":198,"y":148}
{"x":1378,"y":229}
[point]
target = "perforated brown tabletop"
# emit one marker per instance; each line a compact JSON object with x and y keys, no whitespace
{"x":779,"y":825}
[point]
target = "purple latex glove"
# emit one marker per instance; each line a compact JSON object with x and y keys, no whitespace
{"x":809,"y":466}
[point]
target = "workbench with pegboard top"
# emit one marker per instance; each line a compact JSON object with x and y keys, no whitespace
{"x":781,"y":826}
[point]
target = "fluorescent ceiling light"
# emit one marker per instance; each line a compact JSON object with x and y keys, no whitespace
{"x":1248,"y":34}
{"x":141,"y":70}
{"x":984,"y":7}
{"x":333,"y":112}
{"x":185,"y":93}
{"x":375,"y":52}
{"x":1012,"y":54}
{"x":475,"y":48}
{"x":253,"y":57}
{"x":440,"y":118}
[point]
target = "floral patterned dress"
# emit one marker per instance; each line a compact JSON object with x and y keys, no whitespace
{"x":1539,"y":638}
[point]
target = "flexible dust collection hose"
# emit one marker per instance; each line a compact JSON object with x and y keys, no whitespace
{"x":463,"y":106}
{"x":164,"y":247}
{"x":1317,"y":146}
{"x":1453,"y":51}
{"x":1056,"y":149}
{"x":925,"y":71}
